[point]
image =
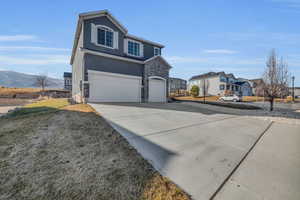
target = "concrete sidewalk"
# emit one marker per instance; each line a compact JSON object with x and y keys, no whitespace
{"x":271,"y":171}
{"x":196,"y":148}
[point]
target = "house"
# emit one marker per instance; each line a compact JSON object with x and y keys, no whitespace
{"x":111,"y":65}
{"x":177,"y":84}
{"x":296,"y":91}
{"x":218,"y":83}
{"x":257,"y":87}
{"x":68,"y":81}
{"x":245,"y":88}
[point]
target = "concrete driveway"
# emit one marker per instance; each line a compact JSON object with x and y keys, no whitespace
{"x":196,"y":148}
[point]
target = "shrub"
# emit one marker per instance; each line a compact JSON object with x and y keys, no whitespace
{"x":195,"y":91}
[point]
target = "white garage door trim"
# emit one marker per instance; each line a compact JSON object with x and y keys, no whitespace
{"x":93,"y":98}
{"x":165,"y":86}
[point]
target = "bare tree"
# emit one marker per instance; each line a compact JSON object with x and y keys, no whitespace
{"x":42,"y":81}
{"x":276,"y":78}
{"x":204,"y":87}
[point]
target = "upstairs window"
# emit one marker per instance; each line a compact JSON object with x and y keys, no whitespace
{"x":133,"y":48}
{"x":105,"y":37}
{"x":156,"y":51}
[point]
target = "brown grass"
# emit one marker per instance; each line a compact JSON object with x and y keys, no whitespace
{"x":12,"y":91}
{"x":52,"y":150}
{"x":256,"y":98}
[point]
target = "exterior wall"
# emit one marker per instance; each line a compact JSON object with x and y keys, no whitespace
{"x":155,"y":67}
{"x":77,"y":71}
{"x":106,"y":22}
{"x":99,"y":63}
{"x":148,"y":48}
{"x":213,"y":88}
{"x":68,"y":83}
{"x":246,"y":89}
{"x":176,"y":84}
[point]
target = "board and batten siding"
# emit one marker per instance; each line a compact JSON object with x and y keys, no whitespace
{"x":148,"y":49}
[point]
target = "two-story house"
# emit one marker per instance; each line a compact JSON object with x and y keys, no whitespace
{"x":177,"y":84}
{"x":110,"y":65}
{"x":68,"y":81}
{"x":218,"y":83}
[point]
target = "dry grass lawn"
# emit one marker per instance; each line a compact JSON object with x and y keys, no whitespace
{"x":12,"y":91}
{"x":53,"y":150}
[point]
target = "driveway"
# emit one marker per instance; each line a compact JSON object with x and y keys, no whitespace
{"x":197,"y":147}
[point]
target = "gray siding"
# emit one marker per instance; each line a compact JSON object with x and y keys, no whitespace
{"x":106,"y":22}
{"x":148,"y":48}
{"x":99,"y":63}
{"x":77,"y":71}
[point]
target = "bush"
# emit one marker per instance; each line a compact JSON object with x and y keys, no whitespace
{"x":195,"y":91}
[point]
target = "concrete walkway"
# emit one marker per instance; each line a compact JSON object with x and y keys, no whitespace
{"x":196,"y":148}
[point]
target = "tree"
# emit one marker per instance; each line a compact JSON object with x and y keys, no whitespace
{"x":276,"y":78}
{"x":204,"y":87}
{"x":42,"y":81}
{"x":195,"y":91}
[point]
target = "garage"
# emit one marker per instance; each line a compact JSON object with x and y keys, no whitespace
{"x":157,"y":89}
{"x":112,"y":87}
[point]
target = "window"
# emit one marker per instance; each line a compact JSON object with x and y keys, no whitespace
{"x":156,"y":51}
{"x":105,"y":36}
{"x":223,"y":79}
{"x":222,"y":87}
{"x":134,"y":48}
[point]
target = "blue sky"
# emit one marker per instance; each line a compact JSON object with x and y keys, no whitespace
{"x":200,"y":36}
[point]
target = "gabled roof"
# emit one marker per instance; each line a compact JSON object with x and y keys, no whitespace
{"x":207,"y":75}
{"x":89,"y":15}
{"x":158,"y":57}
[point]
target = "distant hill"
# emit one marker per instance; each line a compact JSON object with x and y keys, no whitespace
{"x":21,"y":80}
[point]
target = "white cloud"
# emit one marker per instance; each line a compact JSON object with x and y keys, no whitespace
{"x":10,"y":38}
{"x":31,"y":48}
{"x":219,"y":51}
{"x":34,"y":60}
{"x":212,"y":61}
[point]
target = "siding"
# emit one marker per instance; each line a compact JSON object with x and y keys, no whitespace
{"x":99,"y":63}
{"x":148,"y":48}
{"x":77,"y":70}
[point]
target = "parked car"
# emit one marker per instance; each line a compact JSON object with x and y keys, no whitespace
{"x":233,"y":98}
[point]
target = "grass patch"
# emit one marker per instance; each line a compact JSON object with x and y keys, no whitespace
{"x":48,"y":105}
{"x":73,"y":154}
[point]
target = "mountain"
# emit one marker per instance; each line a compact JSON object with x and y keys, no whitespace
{"x":21,"y":80}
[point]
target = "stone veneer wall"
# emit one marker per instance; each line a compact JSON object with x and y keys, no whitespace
{"x":155,"y":67}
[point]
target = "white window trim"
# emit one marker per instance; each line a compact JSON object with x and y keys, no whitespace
{"x":94,"y":36}
{"x":155,"y":48}
{"x":126,"y":48}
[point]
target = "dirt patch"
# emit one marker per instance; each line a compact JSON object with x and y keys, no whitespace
{"x":74,"y":154}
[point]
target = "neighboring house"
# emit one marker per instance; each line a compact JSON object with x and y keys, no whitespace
{"x":257,"y":87}
{"x":68,"y":81}
{"x":218,"y":83}
{"x":177,"y":84}
{"x":296,"y":91}
{"x":110,"y":65}
{"x":245,"y":88}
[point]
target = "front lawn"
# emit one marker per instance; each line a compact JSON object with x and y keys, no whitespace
{"x":53,"y":150}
